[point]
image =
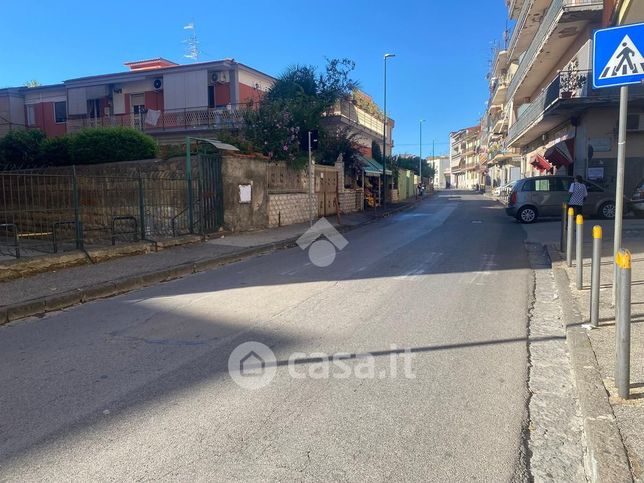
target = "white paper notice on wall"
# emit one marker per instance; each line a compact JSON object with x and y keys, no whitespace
{"x":244,"y":193}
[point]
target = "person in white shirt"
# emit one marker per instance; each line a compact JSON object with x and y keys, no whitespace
{"x":578,"y":194}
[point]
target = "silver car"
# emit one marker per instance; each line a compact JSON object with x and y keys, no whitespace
{"x":543,"y":196}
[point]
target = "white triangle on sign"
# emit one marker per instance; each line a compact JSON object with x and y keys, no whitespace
{"x":627,"y":60}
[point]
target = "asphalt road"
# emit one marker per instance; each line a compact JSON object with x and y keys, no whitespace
{"x":137,"y":386}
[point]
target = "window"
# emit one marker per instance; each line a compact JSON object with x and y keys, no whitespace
{"x":138,"y":103}
{"x":542,"y":185}
{"x":60,"y":111}
{"x":561,"y":183}
{"x":593,"y":188}
{"x":31,"y":115}
{"x":211,"y":96}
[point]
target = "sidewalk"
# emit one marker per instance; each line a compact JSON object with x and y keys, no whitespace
{"x":62,"y":288}
{"x":629,"y":414}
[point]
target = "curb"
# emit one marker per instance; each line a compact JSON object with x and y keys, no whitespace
{"x":606,"y":458}
{"x":42,"y":305}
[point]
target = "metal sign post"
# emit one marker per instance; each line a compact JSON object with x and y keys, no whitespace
{"x":310,"y":183}
{"x":618,"y":62}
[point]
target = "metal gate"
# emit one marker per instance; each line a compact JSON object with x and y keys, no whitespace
{"x":326,"y":189}
{"x":211,"y":202}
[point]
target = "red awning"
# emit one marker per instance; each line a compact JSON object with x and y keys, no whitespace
{"x":562,"y":153}
{"x":541,"y":163}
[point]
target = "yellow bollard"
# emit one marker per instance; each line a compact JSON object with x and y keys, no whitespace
{"x":623,"y":323}
{"x":579,"y":251}
{"x":595,"y":275}
{"x":571,"y":215}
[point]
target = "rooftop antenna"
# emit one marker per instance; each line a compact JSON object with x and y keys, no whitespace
{"x":192,"y":44}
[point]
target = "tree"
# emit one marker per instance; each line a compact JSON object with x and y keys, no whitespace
{"x":32,"y":83}
{"x":294,"y":105}
{"x":336,"y":142}
{"x":376,"y":153}
{"x":411,"y":163}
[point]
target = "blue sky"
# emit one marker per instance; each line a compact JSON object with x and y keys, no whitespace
{"x":442,"y":47}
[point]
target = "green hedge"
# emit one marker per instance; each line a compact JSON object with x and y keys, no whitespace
{"x":105,"y":145}
{"x":30,"y":148}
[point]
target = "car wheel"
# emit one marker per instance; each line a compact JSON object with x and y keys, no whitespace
{"x":527,"y":214}
{"x":607,"y":210}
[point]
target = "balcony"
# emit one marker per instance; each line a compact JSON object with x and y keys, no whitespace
{"x":499,"y":94}
{"x":514,"y":7}
{"x":357,"y":117}
{"x":171,"y":120}
{"x":555,"y":105}
{"x":528,"y":21}
{"x":558,"y":30}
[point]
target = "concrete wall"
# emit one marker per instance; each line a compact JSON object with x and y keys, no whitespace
{"x":244,"y":170}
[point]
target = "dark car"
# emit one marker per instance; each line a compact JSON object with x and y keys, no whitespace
{"x":637,"y":200}
{"x":543,"y":196}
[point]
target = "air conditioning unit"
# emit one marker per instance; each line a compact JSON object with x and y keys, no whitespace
{"x":635,"y":122}
{"x":219,"y":77}
{"x":158,"y":84}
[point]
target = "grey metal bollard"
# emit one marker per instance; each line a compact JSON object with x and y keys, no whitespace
{"x":623,"y":324}
{"x":579,"y":251}
{"x":571,"y":214}
{"x":595,"y":279}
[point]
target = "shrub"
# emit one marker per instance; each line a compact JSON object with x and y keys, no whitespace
{"x":112,"y":144}
{"x":57,"y":151}
{"x":21,"y":149}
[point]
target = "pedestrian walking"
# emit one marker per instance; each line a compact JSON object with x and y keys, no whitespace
{"x":578,"y":193}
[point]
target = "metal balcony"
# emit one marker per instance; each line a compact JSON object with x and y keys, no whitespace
{"x":555,"y":105}
{"x":551,"y":41}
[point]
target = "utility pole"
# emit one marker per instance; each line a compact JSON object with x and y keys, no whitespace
{"x":384,"y":140}
{"x":420,"y":152}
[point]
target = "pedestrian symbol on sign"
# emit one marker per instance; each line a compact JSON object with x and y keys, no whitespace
{"x":627,"y":60}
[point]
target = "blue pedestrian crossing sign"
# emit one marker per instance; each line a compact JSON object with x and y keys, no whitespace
{"x":617,"y":56}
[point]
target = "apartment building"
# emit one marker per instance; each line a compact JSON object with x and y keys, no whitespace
{"x":464,"y":158}
{"x":441,"y":166}
{"x":558,"y":122}
{"x":502,"y":164}
{"x":157,"y":96}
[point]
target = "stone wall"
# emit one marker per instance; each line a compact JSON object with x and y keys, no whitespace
{"x":289,"y":208}
{"x":351,"y":200}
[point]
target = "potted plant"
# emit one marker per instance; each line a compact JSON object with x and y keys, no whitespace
{"x":571,"y":80}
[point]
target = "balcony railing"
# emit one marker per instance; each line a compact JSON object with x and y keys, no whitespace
{"x":519,"y":26}
{"x":575,"y":89}
{"x":356,"y":115}
{"x":547,"y":26}
{"x":167,"y":120}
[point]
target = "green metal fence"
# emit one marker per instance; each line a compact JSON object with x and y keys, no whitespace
{"x":53,"y":213}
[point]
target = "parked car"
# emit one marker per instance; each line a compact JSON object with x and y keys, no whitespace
{"x":637,"y":200}
{"x":506,"y":188}
{"x":543,"y":196}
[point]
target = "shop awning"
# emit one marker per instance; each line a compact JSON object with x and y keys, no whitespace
{"x":562,"y":153}
{"x":541,"y":163}
{"x":371,"y":167}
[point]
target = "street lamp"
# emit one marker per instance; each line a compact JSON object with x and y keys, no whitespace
{"x":384,"y":140}
{"x":420,"y":153}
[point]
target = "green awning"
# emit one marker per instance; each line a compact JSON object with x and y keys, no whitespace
{"x":371,"y":167}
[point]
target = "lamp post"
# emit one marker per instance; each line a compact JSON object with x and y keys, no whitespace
{"x":384,"y":140}
{"x":420,"y":154}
